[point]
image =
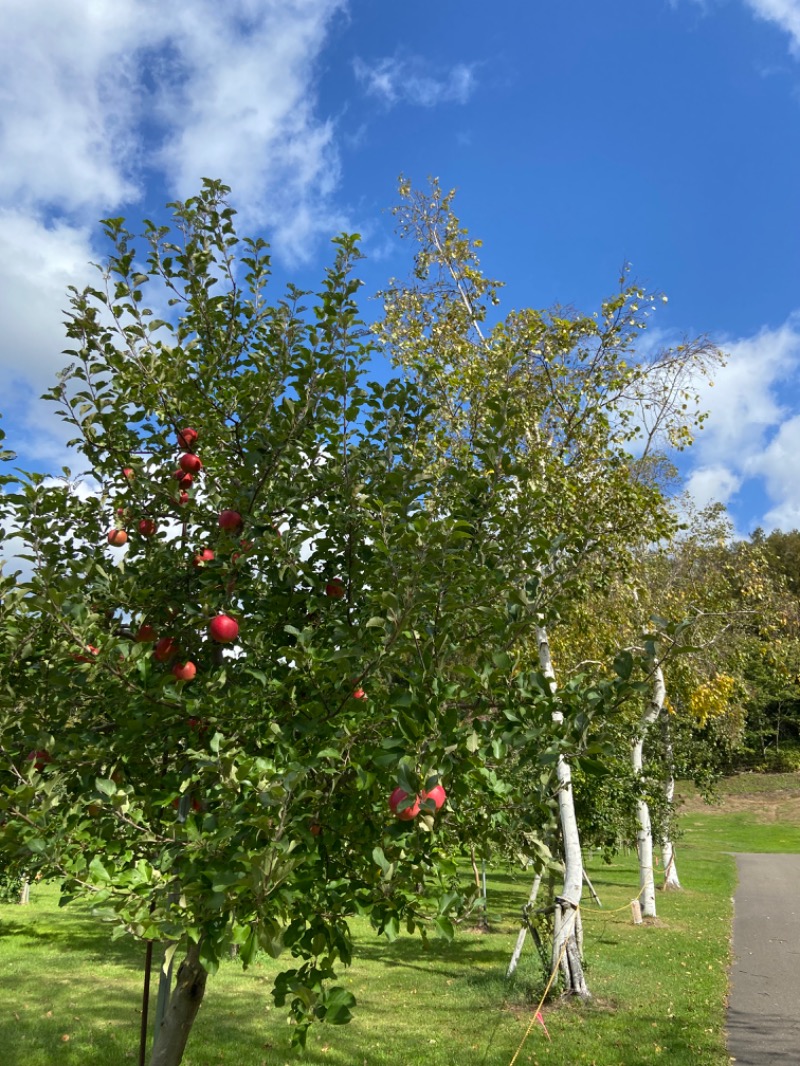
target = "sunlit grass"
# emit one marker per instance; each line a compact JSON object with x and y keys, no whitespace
{"x":70,"y":996}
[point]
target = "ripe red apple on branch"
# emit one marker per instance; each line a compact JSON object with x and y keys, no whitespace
{"x":187,"y":438}
{"x":190,"y":463}
{"x":359,"y":694}
{"x":407,"y":813}
{"x":128,"y":473}
{"x":437,"y":795}
{"x":82,"y":658}
{"x":223,"y":629}
{"x":165,"y":649}
{"x":203,"y":557}
{"x":147,"y":527}
{"x":184,"y":671}
{"x":117,"y":537}
{"x":335,"y":588}
{"x":230,"y":521}
{"x":144,"y":634}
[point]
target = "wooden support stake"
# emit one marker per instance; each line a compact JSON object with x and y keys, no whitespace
{"x":148,"y":962}
{"x":636,"y":911}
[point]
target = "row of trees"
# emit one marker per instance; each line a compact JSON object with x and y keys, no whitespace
{"x":470,"y":576}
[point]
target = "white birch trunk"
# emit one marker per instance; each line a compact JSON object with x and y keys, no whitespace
{"x":671,"y":880}
{"x":644,"y":835}
{"x":517,"y":952}
{"x":564,"y":937}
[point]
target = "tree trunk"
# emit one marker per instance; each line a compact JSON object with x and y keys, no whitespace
{"x":515,"y":955}
{"x":25,"y":892}
{"x":564,"y":932}
{"x":644,"y":835}
{"x":184,"y":1003}
{"x":671,"y":880}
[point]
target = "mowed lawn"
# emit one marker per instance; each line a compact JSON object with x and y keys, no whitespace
{"x":69,"y":995}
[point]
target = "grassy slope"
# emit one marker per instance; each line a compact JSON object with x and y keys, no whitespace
{"x":659,"y":989}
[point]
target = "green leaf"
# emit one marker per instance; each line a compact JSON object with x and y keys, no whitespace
{"x":380,"y":859}
{"x":338,"y":1005}
{"x":444,"y":927}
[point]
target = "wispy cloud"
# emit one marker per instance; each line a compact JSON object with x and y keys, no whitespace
{"x":783,"y":13}
{"x":753,"y":427}
{"x":413,"y":80}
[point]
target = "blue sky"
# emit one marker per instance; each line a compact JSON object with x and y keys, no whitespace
{"x":580,"y":135}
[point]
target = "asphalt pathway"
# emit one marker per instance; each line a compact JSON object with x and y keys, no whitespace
{"x":764,"y":1002}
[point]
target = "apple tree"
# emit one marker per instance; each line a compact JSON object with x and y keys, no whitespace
{"x":261,"y":606}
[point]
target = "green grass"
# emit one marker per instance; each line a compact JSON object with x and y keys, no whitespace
{"x":659,"y":989}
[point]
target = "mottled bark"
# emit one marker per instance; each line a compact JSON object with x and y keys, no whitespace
{"x":184,"y":1003}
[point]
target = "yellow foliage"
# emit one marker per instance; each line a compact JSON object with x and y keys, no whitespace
{"x":711,"y":699}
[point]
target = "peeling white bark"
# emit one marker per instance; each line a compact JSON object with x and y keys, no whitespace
{"x":671,"y":880}
{"x":644,"y":835}
{"x":570,"y":898}
{"x":517,"y":952}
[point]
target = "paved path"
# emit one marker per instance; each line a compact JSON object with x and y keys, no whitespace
{"x":764,"y":1003}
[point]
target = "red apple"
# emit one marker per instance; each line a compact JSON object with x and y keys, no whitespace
{"x":315,"y":828}
{"x":165,"y":649}
{"x":183,"y":499}
{"x":359,"y":694}
{"x":190,"y":464}
{"x":335,"y":588}
{"x":82,"y":658}
{"x":144,"y":634}
{"x":184,"y":671}
{"x":230,"y":521}
{"x":396,"y":798}
{"x":437,"y":794}
{"x":183,"y":478}
{"x":39,"y":759}
{"x":117,"y":537}
{"x":128,"y":473}
{"x":205,"y":556}
{"x":186,"y":438}
{"x":147,"y":527}
{"x":198,"y":725}
{"x":223,"y":629}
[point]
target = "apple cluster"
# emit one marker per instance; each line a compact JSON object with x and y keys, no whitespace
{"x":222,"y":628}
{"x":407,"y":813}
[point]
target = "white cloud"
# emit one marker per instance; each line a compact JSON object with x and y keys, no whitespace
{"x":778,"y":465}
{"x":783,"y":13}
{"x":37,"y":264}
{"x":95,"y":98}
{"x":242,"y":106}
{"x":745,"y":401}
{"x":67,"y":86}
{"x":712,"y":484}
{"x":412,"y":80}
{"x":753,"y":430}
